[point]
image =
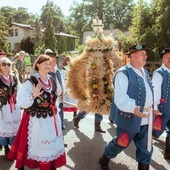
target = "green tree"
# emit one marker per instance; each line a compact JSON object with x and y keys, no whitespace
{"x":8,"y":13}
{"x":141,"y":29}
{"x":37,"y":35}
{"x":118,"y":14}
{"x":61,"y":45}
{"x":162,"y":29}
{"x":58,"y":17}
{"x":21,"y":16}
{"x":70,"y":42}
{"x":27,"y":45}
{"x":39,"y":50}
{"x":49,"y":34}
{"x":3,"y":27}
{"x":113,"y":13}
{"x":79,"y":20}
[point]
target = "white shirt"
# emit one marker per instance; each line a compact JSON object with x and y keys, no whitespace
{"x":121,"y":98}
{"x":157,"y":80}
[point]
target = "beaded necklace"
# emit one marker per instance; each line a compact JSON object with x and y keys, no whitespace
{"x":47,"y":86}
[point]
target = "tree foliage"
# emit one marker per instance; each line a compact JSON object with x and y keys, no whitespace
{"x":3,"y":27}
{"x":49,"y":34}
{"x":61,"y":45}
{"x":162,"y":29}
{"x":58,"y":17}
{"x":146,"y":23}
{"x":37,"y":35}
{"x":27,"y":45}
{"x":70,"y":43}
{"x":113,"y":13}
{"x":18,"y":15}
{"x":78,"y":20}
{"x":150,"y":25}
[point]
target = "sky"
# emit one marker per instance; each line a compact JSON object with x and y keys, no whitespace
{"x":34,"y":6}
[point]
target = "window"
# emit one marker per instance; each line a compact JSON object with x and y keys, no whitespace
{"x":16,"y":32}
{"x":11,"y":33}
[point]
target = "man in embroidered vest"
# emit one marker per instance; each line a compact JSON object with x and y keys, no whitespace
{"x":132,"y":112}
{"x":55,"y":73}
{"x":161,"y":82}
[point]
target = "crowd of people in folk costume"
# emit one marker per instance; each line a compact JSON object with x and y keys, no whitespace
{"x":33,"y":99}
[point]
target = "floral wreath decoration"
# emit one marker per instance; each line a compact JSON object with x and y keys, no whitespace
{"x":90,"y":75}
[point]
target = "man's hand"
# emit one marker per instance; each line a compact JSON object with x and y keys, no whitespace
{"x":138,"y":113}
{"x":157,"y":113}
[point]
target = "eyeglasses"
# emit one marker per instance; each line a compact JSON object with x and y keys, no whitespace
{"x":6,"y":64}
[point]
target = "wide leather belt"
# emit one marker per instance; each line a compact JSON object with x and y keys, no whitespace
{"x":147,"y":109}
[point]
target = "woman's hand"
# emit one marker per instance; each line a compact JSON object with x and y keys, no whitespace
{"x":37,"y":90}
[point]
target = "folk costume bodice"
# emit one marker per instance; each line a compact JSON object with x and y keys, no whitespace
{"x":8,"y":90}
{"x":43,"y":105}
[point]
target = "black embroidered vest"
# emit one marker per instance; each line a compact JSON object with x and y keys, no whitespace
{"x":44,"y":105}
{"x":6,"y":92}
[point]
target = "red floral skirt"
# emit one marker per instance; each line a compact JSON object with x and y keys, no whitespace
{"x":19,"y":150}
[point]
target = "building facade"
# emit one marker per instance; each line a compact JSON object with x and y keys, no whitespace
{"x":19,"y":31}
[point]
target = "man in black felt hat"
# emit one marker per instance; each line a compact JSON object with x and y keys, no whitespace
{"x":132,"y":112}
{"x":161,"y":82}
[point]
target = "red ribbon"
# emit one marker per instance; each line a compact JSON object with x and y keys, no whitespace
{"x":12,"y":101}
{"x":55,"y":121}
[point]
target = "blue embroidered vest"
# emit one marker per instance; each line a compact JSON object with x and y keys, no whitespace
{"x":137,"y":91}
{"x":164,"y":106}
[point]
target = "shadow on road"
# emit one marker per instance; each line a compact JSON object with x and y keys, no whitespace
{"x":4,"y":163}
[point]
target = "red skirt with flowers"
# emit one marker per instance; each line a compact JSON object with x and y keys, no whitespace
{"x":19,"y":150}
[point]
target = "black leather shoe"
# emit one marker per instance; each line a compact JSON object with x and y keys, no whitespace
{"x":76,"y":121}
{"x":74,"y":114}
{"x":167,"y":148}
{"x":104,"y":162}
{"x":98,"y":127}
{"x":0,"y":147}
{"x":6,"y":150}
{"x":142,"y":166}
{"x":110,"y":120}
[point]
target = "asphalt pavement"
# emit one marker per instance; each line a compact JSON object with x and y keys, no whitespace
{"x":85,"y":146}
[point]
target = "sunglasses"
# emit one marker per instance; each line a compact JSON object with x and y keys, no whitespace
{"x":6,"y":64}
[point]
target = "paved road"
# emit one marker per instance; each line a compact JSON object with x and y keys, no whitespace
{"x":86,"y":146}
